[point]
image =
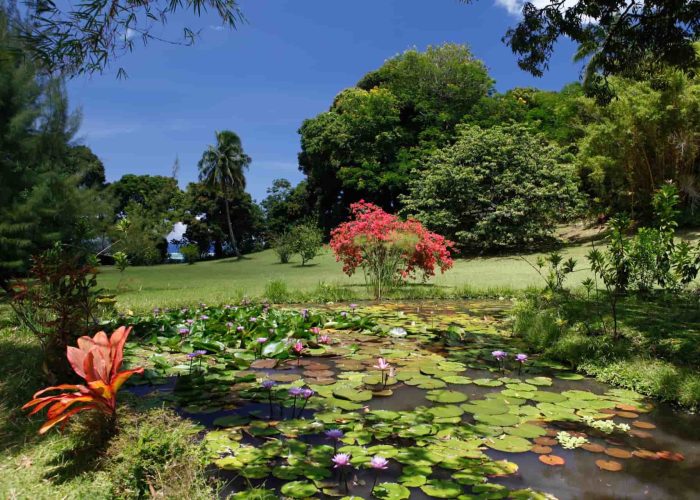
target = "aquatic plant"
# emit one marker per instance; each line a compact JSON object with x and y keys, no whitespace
{"x":569,"y":442}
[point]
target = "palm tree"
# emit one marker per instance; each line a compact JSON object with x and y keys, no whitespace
{"x":222,"y":170}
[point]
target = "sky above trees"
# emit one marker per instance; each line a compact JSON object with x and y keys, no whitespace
{"x":284,"y":65}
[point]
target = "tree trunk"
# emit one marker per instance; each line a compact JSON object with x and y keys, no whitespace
{"x":230,"y":231}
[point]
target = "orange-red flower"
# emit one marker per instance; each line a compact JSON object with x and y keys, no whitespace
{"x":97,"y":360}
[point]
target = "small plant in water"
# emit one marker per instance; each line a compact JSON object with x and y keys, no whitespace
{"x":521,"y":359}
{"x":606,"y":426}
{"x":569,"y":442}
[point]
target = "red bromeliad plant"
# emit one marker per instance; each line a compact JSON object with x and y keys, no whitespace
{"x":388,"y":249}
{"x":97,"y":360}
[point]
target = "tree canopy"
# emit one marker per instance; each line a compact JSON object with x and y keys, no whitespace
{"x":615,"y":37}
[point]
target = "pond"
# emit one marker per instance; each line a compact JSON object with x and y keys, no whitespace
{"x":438,"y":416}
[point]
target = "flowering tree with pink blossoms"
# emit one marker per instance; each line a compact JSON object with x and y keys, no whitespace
{"x":389,"y":250}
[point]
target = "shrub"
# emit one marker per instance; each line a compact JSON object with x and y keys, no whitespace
{"x":58,"y":304}
{"x":97,"y":360}
{"x":121,"y":261}
{"x":387,"y":249}
{"x":498,"y":188}
{"x":190,"y":253}
{"x":283,"y":245}
{"x":156,"y":454}
{"x":277,"y":291}
{"x":307,"y":240}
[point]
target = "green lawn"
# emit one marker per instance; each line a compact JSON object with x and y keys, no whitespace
{"x":228,"y":279}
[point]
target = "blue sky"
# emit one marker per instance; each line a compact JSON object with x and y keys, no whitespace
{"x":284,"y":65}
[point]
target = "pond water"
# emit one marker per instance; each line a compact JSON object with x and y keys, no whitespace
{"x":452,"y":421}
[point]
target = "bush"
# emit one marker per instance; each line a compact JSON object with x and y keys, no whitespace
{"x":190,"y":253}
{"x":156,"y":453}
{"x":307,"y":240}
{"x":387,"y":249}
{"x":283,"y":245}
{"x":58,"y":304}
{"x":498,"y":188}
{"x":277,"y":291}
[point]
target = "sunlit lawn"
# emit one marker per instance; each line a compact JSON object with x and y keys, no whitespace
{"x":228,"y":279}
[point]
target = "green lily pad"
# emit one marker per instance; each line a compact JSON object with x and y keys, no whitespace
{"x":487,"y":382}
{"x":509,"y":444}
{"x":298,"y":489}
{"x":505,"y":419}
{"x":352,"y":394}
{"x":391,"y":491}
{"x":525,"y":430}
{"x":445,"y":396}
{"x":541,"y":381}
{"x":439,"y":488}
{"x":569,"y":376}
{"x":456,"y":379}
{"x":446,"y":411}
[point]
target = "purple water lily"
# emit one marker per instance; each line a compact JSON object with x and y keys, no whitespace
{"x":183,"y":331}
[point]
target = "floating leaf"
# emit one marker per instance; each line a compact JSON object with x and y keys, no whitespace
{"x":487,"y":382}
{"x":593,"y":447}
{"x":618,"y":453}
{"x":609,"y":465}
{"x":505,"y":419}
{"x":445,"y":396}
{"x":439,"y":488}
{"x":551,"y":460}
{"x":509,"y":444}
{"x":541,"y":381}
{"x":391,"y":491}
{"x":643,"y":425}
{"x":298,"y":489}
{"x":569,"y":376}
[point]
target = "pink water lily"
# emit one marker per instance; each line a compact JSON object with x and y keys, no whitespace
{"x":341,"y":460}
{"x":378,"y":462}
{"x":298,"y":348}
{"x":382,"y":364}
{"x":324,"y":339}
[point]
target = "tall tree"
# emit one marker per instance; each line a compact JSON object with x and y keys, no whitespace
{"x":616,"y":37}
{"x":222,"y":168}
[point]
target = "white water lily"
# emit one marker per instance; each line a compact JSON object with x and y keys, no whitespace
{"x":398,"y":332}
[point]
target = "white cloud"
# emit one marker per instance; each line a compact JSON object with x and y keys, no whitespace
{"x":216,"y":28}
{"x":99,"y":131}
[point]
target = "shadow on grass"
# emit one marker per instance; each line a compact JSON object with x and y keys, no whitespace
{"x":20,"y":377}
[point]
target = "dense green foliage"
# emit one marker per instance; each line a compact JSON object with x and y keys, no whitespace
{"x":649,"y":135}
{"x":366,"y":145}
{"x":48,"y":186}
{"x":614,"y":37}
{"x":284,"y":206}
{"x":498,"y":188}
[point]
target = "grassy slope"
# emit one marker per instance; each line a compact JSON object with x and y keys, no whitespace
{"x":223,"y":280}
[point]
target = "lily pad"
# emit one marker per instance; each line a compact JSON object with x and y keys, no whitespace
{"x":438,"y":488}
{"x":509,"y":444}
{"x":446,"y":396}
{"x":391,"y":491}
{"x":487,"y":382}
{"x":298,"y":489}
